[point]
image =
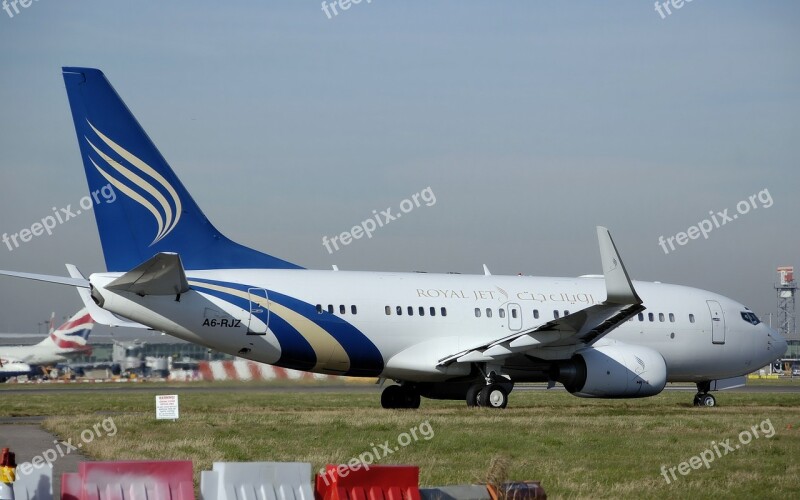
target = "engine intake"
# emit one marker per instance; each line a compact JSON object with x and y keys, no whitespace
{"x":613,"y":371}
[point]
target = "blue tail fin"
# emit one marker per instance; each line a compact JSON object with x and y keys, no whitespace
{"x":141,"y":206}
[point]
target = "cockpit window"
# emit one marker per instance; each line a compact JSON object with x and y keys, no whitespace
{"x":750,"y":317}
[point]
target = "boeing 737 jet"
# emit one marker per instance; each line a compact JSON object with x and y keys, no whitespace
{"x":444,"y":336}
{"x":69,"y":339}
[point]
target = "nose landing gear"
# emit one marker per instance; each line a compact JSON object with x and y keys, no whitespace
{"x":703,"y":398}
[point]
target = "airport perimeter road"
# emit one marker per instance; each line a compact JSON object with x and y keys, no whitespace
{"x":27,"y":439}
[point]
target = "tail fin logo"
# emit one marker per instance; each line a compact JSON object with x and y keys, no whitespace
{"x":74,"y":334}
{"x":140,"y":182}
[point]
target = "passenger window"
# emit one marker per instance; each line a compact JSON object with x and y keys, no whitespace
{"x":342,"y":309}
{"x":691,"y":318}
{"x":421,"y":311}
{"x":444,"y":311}
{"x":661,"y":317}
{"x":536,"y":314}
{"x":488,"y":313}
{"x":514,"y":313}
{"x":555,"y":314}
{"x":502,"y":312}
{"x":330,"y":308}
{"x":399,"y":310}
{"x":319,"y":308}
{"x":410,"y":311}
{"x":566,"y":313}
{"x":641,"y":316}
{"x":671,"y":318}
{"x":388,"y":310}
{"x":433,"y":311}
{"x":477,"y":312}
{"x":650,"y":317}
{"x":353,"y":309}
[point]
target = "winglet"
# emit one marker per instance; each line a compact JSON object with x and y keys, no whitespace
{"x":619,"y":289}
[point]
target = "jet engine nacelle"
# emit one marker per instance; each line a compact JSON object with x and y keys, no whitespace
{"x":613,"y":371}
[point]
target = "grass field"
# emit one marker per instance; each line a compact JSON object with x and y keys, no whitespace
{"x":576,"y":447}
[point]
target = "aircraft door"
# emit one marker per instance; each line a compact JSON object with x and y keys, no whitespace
{"x":717,"y":322}
{"x":258,"y":321}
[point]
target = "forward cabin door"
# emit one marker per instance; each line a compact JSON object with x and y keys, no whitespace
{"x":717,"y":322}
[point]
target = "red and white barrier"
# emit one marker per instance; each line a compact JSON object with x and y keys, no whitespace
{"x":245,"y":371}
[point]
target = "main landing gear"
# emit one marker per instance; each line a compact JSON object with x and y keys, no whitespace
{"x":491,"y":394}
{"x":400,"y":396}
{"x":703,"y":398}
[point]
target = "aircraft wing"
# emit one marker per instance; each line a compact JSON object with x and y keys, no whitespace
{"x":579,"y":329}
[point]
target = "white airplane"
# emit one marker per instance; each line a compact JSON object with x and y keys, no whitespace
{"x":70,"y":339}
{"x":10,"y":369}
{"x":437,"y":335}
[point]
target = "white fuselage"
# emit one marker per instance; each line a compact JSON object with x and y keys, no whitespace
{"x":43,"y":353}
{"x":399,"y":325}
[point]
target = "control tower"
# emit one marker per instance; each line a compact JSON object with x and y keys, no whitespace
{"x":787,"y":289}
{"x":787,"y":320}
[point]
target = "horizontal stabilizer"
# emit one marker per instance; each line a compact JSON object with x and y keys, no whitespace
{"x":60,"y":280}
{"x":161,"y":275}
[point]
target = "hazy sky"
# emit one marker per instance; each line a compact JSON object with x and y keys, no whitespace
{"x":532,"y":122}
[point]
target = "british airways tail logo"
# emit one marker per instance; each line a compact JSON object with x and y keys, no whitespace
{"x":140,"y":182}
{"x":74,"y":334}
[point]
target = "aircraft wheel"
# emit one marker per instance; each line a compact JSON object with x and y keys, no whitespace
{"x":708,"y":400}
{"x":398,"y":396}
{"x":392,"y":397}
{"x":412,"y":399}
{"x":473,"y":395}
{"x":493,"y":396}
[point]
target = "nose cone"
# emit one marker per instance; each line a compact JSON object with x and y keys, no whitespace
{"x":777,"y":342}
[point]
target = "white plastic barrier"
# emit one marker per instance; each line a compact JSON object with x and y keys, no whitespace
{"x":38,"y":485}
{"x":257,"y":481}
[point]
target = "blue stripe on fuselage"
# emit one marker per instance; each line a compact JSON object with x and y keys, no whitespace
{"x":296,"y":352}
{"x":365,"y":358}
